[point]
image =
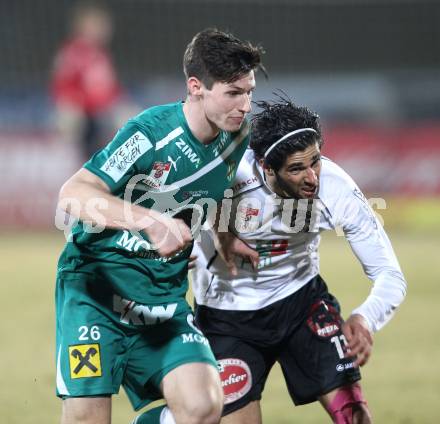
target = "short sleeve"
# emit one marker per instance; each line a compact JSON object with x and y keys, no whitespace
{"x":129,"y":153}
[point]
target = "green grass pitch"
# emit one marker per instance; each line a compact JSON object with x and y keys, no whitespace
{"x":401,"y":382}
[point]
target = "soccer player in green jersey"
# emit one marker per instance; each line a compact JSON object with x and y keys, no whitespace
{"x":122,"y":317}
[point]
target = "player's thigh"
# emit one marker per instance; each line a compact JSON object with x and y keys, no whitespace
{"x":243,"y":371}
{"x":193,"y":389}
{"x":249,"y":414}
{"x":86,"y":410}
{"x":313,"y":360}
{"x":161,"y":351}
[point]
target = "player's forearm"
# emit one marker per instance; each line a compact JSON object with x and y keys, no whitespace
{"x":96,"y":205}
{"x":387,"y":294}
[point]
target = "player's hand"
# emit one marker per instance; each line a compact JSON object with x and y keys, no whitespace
{"x":168,"y":235}
{"x":192,"y":261}
{"x":229,"y":246}
{"x":359,"y":339}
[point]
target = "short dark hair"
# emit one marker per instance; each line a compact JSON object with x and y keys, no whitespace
{"x":275,"y":120}
{"x":217,"y":56}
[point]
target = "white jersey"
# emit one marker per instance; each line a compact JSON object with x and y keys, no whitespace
{"x":286,"y":233}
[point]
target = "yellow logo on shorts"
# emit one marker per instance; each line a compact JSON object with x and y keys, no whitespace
{"x":85,"y":361}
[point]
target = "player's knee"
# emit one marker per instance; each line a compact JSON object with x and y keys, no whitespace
{"x":206,"y":409}
{"x":349,"y":406}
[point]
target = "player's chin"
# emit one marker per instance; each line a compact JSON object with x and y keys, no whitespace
{"x":232,"y":125}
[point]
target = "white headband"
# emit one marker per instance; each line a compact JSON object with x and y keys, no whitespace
{"x":287,"y":136}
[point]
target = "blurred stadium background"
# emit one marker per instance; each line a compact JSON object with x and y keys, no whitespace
{"x":370,"y":68}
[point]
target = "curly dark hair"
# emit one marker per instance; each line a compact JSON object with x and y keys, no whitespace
{"x":276,"y":119}
{"x":217,"y":56}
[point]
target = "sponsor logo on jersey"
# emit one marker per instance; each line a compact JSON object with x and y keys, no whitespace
{"x":134,"y":313}
{"x":126,"y":155}
{"x":195,"y":194}
{"x":247,"y":218}
{"x":174,"y":162}
{"x":85,"y":361}
{"x":158,"y":175}
{"x":243,"y":184}
{"x":140,"y":247}
{"x":236,"y":378}
{"x":268,"y":249}
{"x":221,"y":144}
{"x":188,"y":152}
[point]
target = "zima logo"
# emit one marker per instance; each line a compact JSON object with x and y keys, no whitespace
{"x":133,"y":313}
{"x":188,"y":152}
{"x":221,"y":143}
{"x":85,"y":361}
{"x":236,"y":378}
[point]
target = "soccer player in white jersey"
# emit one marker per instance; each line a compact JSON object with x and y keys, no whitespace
{"x":284,"y":195}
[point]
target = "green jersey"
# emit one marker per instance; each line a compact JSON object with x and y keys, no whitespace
{"x":154,"y":161}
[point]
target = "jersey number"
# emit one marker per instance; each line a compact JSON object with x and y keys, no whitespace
{"x":85,"y":332}
{"x":337,"y":341}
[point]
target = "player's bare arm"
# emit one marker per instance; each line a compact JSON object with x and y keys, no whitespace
{"x":99,"y":207}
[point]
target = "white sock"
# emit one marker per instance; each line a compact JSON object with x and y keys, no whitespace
{"x":166,"y":417}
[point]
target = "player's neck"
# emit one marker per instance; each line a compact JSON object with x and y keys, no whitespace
{"x":204,"y":130}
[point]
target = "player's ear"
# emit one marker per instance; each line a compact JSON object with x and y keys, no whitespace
{"x":266,"y":169}
{"x":194,"y":86}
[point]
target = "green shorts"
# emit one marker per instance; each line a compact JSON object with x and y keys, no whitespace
{"x":104,"y":341}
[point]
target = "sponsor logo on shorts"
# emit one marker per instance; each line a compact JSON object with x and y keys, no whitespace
{"x":236,"y":378}
{"x":328,"y":330}
{"x":85,"y":361}
{"x":324,"y":320}
{"x":190,"y":321}
{"x":133,"y":313}
{"x":194,"y":338}
{"x":126,"y":155}
{"x":343,"y":367}
{"x":191,"y":337}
